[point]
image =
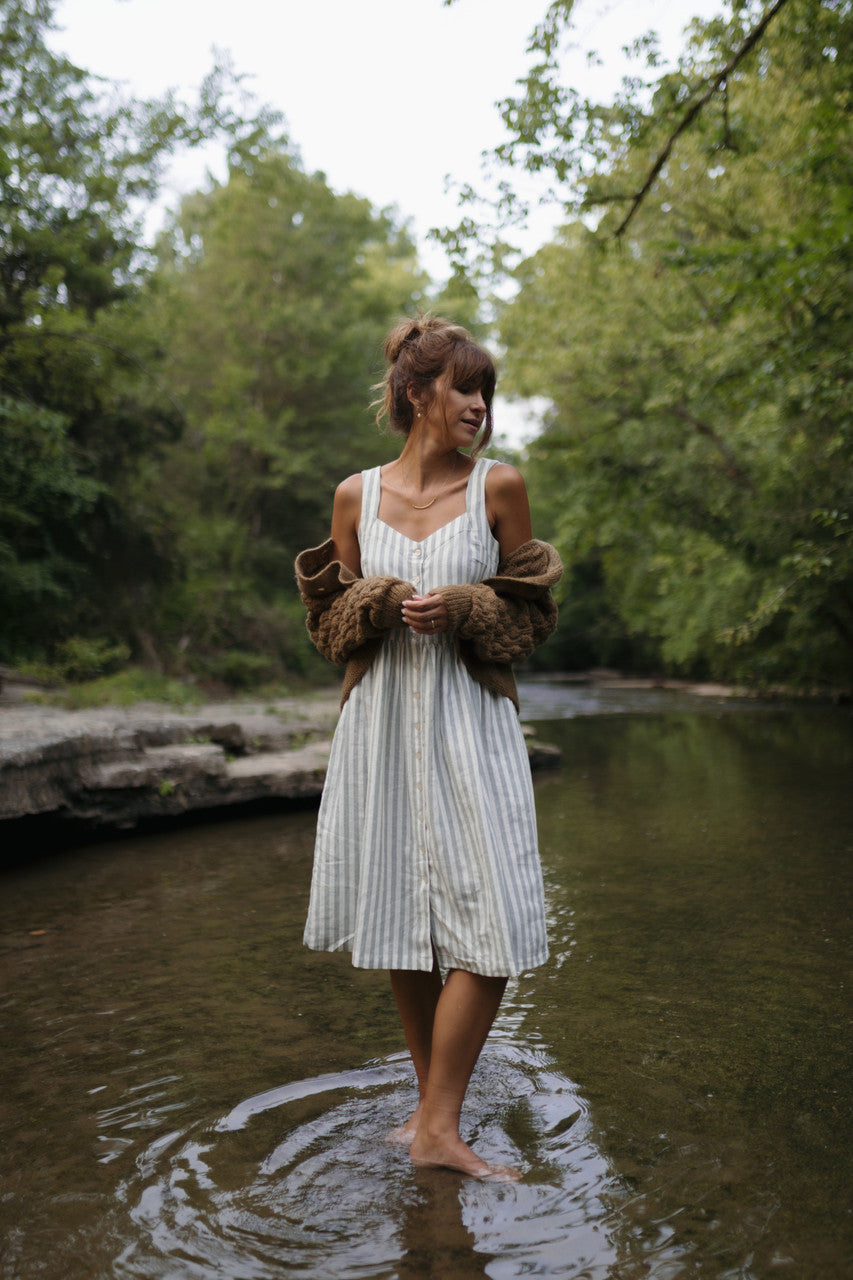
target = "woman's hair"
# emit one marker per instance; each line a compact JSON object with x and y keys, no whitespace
{"x":420,"y":352}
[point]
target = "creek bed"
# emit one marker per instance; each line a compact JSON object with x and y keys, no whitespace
{"x":188,"y":1093}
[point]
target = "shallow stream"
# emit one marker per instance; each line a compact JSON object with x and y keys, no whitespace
{"x":186,"y":1092}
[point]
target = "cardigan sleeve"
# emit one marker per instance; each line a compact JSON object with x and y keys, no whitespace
{"x":345,"y":611}
{"x":504,"y":618}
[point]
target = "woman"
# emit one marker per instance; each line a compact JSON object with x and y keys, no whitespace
{"x":426,"y":857}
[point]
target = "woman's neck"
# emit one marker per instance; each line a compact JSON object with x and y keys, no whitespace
{"x":425,"y":488}
{"x":424,"y":463}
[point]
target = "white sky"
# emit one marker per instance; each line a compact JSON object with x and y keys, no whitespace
{"x":386,"y":97}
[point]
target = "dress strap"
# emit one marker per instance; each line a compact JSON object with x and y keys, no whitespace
{"x":371,"y":490}
{"x":476,"y":501}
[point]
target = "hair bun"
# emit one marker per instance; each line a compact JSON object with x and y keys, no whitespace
{"x":405,"y":331}
{"x":409,"y":331}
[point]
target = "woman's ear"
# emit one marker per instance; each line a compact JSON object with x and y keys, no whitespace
{"x":411,"y":393}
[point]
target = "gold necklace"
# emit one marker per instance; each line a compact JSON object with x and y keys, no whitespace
{"x":423,"y":506}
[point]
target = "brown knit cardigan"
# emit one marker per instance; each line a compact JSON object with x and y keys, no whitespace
{"x":495,"y":622}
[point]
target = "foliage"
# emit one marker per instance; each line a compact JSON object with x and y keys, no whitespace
{"x":82,"y":403}
{"x":82,"y":658}
{"x":123,"y":689}
{"x":172,"y":421}
{"x":696,"y":467}
{"x":276,"y":293}
{"x":44,"y":500}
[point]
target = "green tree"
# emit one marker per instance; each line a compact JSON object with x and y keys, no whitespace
{"x":276,"y":293}
{"x":78,"y":166}
{"x":697,"y":463}
{"x":44,"y":502}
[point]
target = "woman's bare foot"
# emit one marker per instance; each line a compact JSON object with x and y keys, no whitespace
{"x":453,"y":1153}
{"x":404,"y":1135}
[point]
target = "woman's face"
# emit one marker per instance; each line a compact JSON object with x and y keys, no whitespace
{"x":458,"y":412}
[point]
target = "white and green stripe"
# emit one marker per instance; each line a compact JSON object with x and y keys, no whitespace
{"x":426,"y":834}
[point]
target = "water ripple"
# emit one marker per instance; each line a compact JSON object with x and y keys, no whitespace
{"x":299,"y":1178}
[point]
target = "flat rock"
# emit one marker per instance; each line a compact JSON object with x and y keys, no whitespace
{"x":115,"y":767}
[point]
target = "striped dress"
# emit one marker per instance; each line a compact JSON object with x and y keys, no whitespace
{"x":426,"y":835}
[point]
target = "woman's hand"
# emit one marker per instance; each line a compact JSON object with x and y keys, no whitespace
{"x":425,"y":615}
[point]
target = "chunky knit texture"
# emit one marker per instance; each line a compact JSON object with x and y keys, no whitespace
{"x":496,"y":622}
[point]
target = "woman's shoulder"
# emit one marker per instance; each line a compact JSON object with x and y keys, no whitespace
{"x":503,"y":480}
{"x":348,"y":492}
{"x":507,"y":508}
{"x":351,"y":485}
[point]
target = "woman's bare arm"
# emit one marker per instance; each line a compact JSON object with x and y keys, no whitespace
{"x":507,"y":508}
{"x":345,"y":516}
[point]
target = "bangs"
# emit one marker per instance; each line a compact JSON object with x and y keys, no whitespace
{"x":472,"y":369}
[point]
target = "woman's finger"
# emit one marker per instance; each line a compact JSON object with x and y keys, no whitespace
{"x":425,"y":614}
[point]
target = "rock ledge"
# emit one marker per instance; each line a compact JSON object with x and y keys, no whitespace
{"x":113,"y":768}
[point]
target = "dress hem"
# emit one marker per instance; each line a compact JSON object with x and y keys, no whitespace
{"x":446,"y":964}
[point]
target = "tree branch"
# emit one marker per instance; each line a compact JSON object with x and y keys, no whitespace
{"x":733,"y":468}
{"x":749,"y":42}
{"x":143,"y":368}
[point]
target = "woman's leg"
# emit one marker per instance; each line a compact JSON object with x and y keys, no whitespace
{"x":416,"y":993}
{"x":463,"y":1017}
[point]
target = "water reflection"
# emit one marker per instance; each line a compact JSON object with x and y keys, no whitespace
{"x":302,"y":1174}
{"x":699,"y":882}
{"x":182,"y":1090}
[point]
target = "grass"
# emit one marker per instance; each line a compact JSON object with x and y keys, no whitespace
{"x":136,"y":684}
{"x":122,"y":689}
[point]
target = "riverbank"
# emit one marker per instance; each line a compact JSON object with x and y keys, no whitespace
{"x":116,"y":767}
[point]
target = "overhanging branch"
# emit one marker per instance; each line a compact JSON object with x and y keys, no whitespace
{"x":733,"y":468}
{"x":749,"y":42}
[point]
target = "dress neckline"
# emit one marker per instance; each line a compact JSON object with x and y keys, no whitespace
{"x":463,"y":515}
